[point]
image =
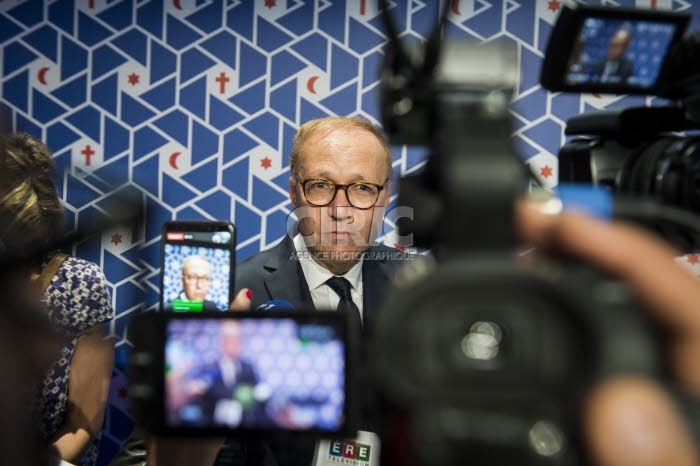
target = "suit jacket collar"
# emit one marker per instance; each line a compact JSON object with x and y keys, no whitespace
{"x":286,"y":280}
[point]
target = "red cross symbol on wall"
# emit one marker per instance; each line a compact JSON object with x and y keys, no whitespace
{"x":88,"y":152}
{"x":222,"y":80}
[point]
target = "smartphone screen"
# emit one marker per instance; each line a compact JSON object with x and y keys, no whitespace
{"x":269,"y":373}
{"x":613,"y":50}
{"x":197,"y":266}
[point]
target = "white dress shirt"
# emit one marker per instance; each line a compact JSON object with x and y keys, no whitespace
{"x":316,"y":276}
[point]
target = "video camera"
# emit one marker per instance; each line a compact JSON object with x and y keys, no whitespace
{"x":479,"y":357}
{"x":632,"y":151}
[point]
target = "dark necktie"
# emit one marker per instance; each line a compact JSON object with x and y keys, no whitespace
{"x":342,"y":287}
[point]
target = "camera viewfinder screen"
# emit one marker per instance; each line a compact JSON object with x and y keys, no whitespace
{"x":247,"y":373}
{"x":196,"y":271}
{"x":619,"y":53}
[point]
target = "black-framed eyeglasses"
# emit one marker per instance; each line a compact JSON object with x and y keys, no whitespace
{"x":360,"y":195}
{"x":192,"y":278}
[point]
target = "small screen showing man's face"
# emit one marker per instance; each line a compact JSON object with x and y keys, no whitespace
{"x":619,"y":53}
{"x":195,"y":277}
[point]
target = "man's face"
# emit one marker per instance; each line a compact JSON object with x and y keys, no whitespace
{"x":196,"y":278}
{"x":230,"y":339}
{"x":338,"y":233}
{"x":617,"y":46}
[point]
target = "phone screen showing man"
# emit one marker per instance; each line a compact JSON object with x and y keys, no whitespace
{"x":196,"y":270}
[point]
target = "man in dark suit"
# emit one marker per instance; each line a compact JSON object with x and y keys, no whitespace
{"x":340,"y":185}
{"x":230,"y":400}
{"x":276,"y":274}
{"x":616,"y":69}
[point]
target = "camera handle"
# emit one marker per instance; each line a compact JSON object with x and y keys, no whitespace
{"x":480,"y":176}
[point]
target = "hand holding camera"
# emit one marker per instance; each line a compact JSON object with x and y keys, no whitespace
{"x":629,"y":420}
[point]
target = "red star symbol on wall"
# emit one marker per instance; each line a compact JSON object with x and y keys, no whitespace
{"x":692,"y":259}
{"x":546,"y":171}
{"x":553,"y":5}
{"x":116,"y":239}
{"x":270,"y":3}
{"x":133,"y":79}
{"x":266,"y":163}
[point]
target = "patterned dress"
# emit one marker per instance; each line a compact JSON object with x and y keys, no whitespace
{"x":76,"y":300}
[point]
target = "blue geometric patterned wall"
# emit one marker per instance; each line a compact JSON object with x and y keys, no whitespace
{"x":194,"y":103}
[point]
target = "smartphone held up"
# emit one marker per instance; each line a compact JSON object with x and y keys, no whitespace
{"x":197,"y":371}
{"x":197,"y":266}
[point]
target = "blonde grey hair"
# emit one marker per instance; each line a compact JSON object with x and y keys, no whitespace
{"x":328,"y":124}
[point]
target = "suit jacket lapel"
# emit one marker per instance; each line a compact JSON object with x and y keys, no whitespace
{"x":286,"y":281}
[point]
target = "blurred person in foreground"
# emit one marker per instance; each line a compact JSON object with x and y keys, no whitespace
{"x":28,"y":344}
{"x":71,"y":399}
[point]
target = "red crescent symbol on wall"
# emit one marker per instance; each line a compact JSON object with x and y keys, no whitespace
{"x":176,"y":4}
{"x":41,"y":75}
{"x":173,"y":160}
{"x":310,"y":84}
{"x":455,"y":7}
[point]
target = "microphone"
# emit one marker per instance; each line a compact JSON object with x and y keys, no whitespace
{"x":275,"y":305}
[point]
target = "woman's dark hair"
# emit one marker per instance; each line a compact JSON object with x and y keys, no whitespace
{"x":31,"y":213}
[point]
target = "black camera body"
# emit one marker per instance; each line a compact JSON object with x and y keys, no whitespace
{"x":620,"y":51}
{"x":633,"y":151}
{"x":475,"y":354}
{"x":480,"y":356}
{"x":636,"y":153}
